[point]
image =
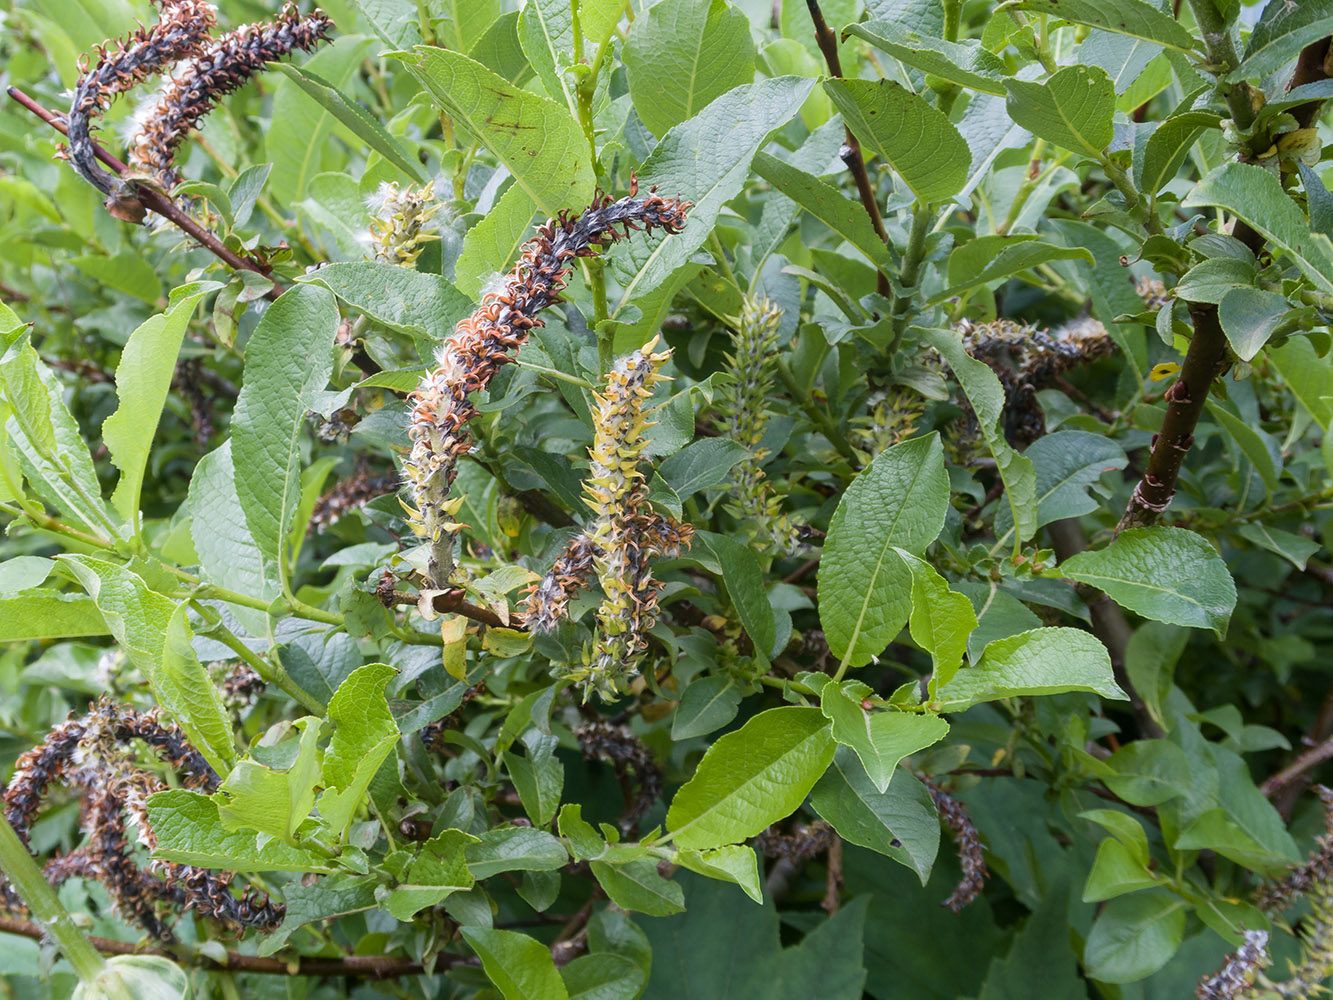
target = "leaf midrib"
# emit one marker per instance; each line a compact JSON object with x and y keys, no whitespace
{"x":879,"y":563}
{"x":794,"y":749}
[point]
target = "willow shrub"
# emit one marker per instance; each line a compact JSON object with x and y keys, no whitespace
{"x":912,"y":418}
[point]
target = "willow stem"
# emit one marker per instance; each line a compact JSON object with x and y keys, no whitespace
{"x":42,"y":903}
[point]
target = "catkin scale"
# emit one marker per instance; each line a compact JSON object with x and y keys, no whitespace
{"x":95,"y":754}
{"x":485,"y":341}
{"x":222,"y":67}
{"x":181,"y":32}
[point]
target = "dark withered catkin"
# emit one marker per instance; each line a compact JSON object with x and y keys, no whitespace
{"x":222,"y":67}
{"x":967,"y":840}
{"x":182,"y":31}
{"x":485,"y":341}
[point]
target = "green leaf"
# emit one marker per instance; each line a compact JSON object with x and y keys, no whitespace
{"x":274,"y":800}
{"x":1256,"y":196}
{"x":1124,"y":827}
{"x":546,"y":33}
{"x":984,"y":392}
{"x":724,"y":946}
{"x":24,"y":573}
{"x":143,"y":977}
{"x":1042,"y":661}
{"x":736,"y":863}
{"x":707,"y":160}
{"x":438,"y":871}
{"x":515,"y":848}
{"x":603,"y":976}
{"x":1073,"y":109}
{"x":911,"y":134}
{"x":49,"y":444}
{"x":1133,"y":937}
{"x":1308,"y":376}
{"x":287,"y":359}
{"x":1279,"y":38}
{"x":538,"y":778}
{"x":681,"y":54}
{"x":1149,"y":772}
{"x":229,"y":555}
{"x":364,"y":735}
{"x":1318,"y":199}
{"x":701,"y":465}
{"x":126,"y":272}
{"x":636,"y":885}
{"x":1260,"y":448}
{"x":1213,"y":830}
{"x":1041,"y":953}
{"x":156,"y":636}
{"x":1296,"y":549}
{"x":1067,"y":463}
{"x":1210,"y":280}
{"x":881,"y":739}
{"x":1168,"y":146}
{"x":585,"y":842}
{"x":49,"y":614}
{"x":964,"y":63}
{"x":1249,"y":317}
{"x":941,"y":620}
{"x":899,"y":500}
{"x":334,"y":896}
{"x":493,"y":244}
{"x":751,"y":778}
{"x":188,"y":830}
{"x":830,"y":206}
{"x":1014,"y":258}
{"x":520,"y":967}
{"x":245,"y":189}
{"x":1125,"y":17}
{"x":745,"y":586}
{"x":419,"y":304}
{"x":1116,"y":871}
{"x":143,"y":379}
{"x":898,"y":821}
{"x":1167,"y":574}
{"x":298,"y":146}
{"x":362,"y":124}
{"x":536,"y":139}
{"x":709,"y":703}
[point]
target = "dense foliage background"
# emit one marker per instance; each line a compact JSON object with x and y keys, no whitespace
{"x":948,"y":452}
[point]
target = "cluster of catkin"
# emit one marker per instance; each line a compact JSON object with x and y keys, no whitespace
{"x":402,"y":222}
{"x":95,"y":754}
{"x":210,"y":69}
{"x":744,"y":410}
{"x":488,"y":339}
{"x":1026,"y":358}
{"x":622,"y":538}
{"x":616,"y":745}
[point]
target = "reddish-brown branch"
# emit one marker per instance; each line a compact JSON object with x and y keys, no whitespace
{"x":851,"y":148}
{"x":1205,"y":360}
{"x":1208,"y":355}
{"x":154,"y":200}
{"x":1308,"y":759}
{"x":452,"y":602}
{"x":361,"y":966}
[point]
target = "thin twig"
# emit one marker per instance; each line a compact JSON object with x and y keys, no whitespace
{"x":155,"y":200}
{"x":1208,"y":355}
{"x":361,"y":966}
{"x":833,"y":883}
{"x":1108,"y":622}
{"x":449,"y":602}
{"x":1308,"y":759}
{"x":850,"y":154}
